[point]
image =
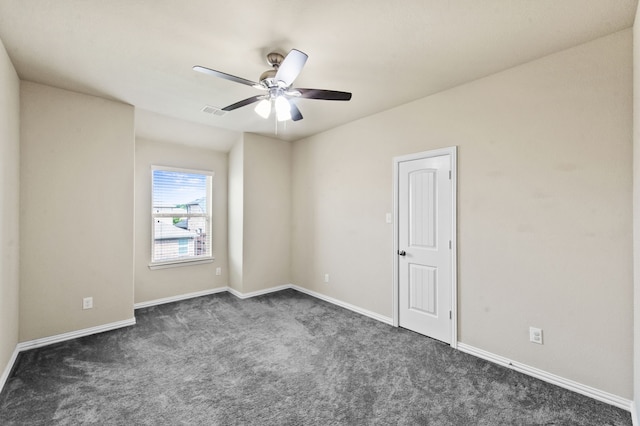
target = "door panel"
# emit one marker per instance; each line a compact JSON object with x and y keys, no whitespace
{"x":422,"y":200}
{"x":423,"y":292}
{"x":424,"y":234}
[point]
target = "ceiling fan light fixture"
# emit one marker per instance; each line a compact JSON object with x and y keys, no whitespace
{"x":263,"y":109}
{"x":277,"y":82}
{"x":283,"y":109}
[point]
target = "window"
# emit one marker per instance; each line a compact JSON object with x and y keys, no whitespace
{"x":183,"y":246}
{"x":181,"y":216}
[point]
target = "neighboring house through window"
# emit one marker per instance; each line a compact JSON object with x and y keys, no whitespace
{"x":181,"y":216}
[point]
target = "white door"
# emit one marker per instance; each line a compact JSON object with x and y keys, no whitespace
{"x":424,"y":245}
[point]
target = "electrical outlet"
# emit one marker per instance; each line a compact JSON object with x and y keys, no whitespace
{"x":326,"y":278}
{"x":535,"y":335}
{"x":218,"y":271}
{"x":87,"y":303}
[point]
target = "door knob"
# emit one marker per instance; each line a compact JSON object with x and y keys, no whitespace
{"x":402,"y":252}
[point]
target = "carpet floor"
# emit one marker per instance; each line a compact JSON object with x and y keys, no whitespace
{"x":280,"y":359}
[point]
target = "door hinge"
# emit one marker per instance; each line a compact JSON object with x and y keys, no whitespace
{"x":449,"y":174}
{"x":450,"y":315}
{"x":450,"y":245}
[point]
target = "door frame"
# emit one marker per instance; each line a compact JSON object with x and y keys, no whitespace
{"x":452,"y":152}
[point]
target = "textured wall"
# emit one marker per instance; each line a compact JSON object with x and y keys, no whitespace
{"x":76,"y":211}
{"x":267,"y":212}
{"x":161,"y":283}
{"x":236,"y":214}
{"x":259,"y":213}
{"x":544,"y":209}
{"x":9,"y":201}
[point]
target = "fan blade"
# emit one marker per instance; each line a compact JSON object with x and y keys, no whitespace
{"x":291,"y":67}
{"x":243,"y":102}
{"x":296,"y":115}
{"x":226,"y":76}
{"x":327,"y":95}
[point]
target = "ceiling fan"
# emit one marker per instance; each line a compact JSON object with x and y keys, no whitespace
{"x":277,"y":83}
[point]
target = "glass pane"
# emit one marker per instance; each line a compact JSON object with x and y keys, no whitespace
{"x":178,"y":236}
{"x":178,"y":191}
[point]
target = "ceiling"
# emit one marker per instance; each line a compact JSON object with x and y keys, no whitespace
{"x":386,"y":53}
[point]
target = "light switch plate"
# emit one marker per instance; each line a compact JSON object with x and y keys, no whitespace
{"x":535,"y":335}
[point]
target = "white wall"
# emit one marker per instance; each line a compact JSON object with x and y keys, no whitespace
{"x":544,"y":209}
{"x":161,"y":283}
{"x":76,"y":211}
{"x":236,"y":214}
{"x":9,"y":202}
{"x":259,"y":213}
{"x":267,"y":213}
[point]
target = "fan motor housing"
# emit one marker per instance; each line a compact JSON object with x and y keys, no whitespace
{"x":268,"y":74}
{"x":274,"y":59}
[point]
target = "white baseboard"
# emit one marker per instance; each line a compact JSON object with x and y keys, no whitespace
{"x":361,"y":311}
{"x":259,"y":292}
{"x":594,"y":393}
{"x":179,"y":297}
{"x":8,"y":368}
{"x":320,"y":296}
{"x":571,"y":385}
{"x":50,"y":340}
{"x":37,"y":343}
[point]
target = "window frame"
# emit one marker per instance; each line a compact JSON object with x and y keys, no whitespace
{"x":184,"y":261}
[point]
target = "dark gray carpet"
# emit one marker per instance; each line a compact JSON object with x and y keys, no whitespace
{"x":280,"y":359}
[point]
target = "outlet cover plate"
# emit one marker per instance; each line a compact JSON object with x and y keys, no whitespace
{"x":87,"y":303}
{"x":535,"y":335}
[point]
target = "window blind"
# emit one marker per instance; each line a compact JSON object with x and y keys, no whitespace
{"x":181,"y":215}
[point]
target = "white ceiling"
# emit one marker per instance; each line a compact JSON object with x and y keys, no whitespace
{"x":385,"y":52}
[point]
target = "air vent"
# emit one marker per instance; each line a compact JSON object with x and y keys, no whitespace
{"x":208,"y":109}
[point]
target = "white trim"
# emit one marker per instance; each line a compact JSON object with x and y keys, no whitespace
{"x":45,"y":341}
{"x":179,"y":297}
{"x":207,"y":216}
{"x":311,"y":293}
{"x":454,"y":246}
{"x":8,"y":368}
{"x":452,"y":152}
{"x":634,"y":414}
{"x":344,"y":305}
{"x":571,"y":385}
{"x":32,"y":344}
{"x":258,"y":292}
{"x":395,"y":314}
{"x":177,"y":263}
{"x":182,"y":170}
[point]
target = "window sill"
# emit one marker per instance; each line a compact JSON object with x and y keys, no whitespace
{"x":179,"y":263}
